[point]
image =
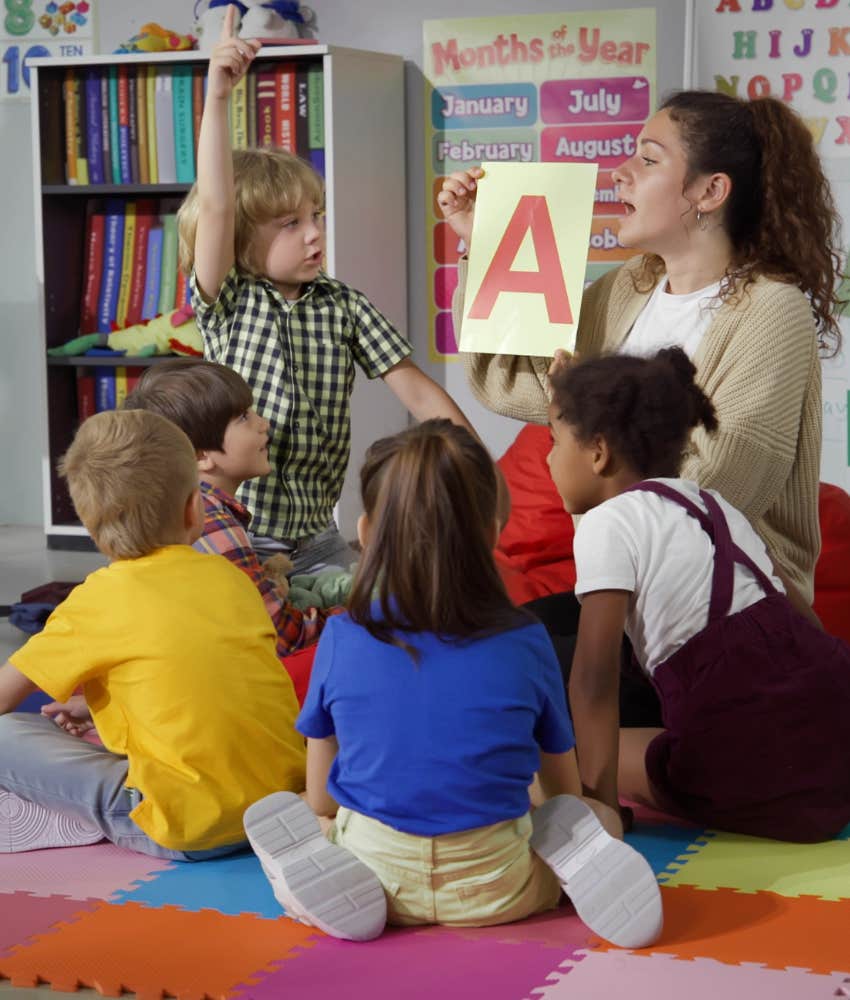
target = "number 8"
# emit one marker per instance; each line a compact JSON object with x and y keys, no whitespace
{"x":20,"y":18}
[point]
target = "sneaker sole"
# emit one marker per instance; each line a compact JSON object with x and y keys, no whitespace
{"x":315,"y":881}
{"x":26,"y":826}
{"x":611,"y":885}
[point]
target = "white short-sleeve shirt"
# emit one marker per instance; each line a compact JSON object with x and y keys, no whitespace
{"x":651,"y":547}
{"x":669,"y":320}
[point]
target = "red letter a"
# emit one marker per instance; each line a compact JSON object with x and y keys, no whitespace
{"x":532,"y":213}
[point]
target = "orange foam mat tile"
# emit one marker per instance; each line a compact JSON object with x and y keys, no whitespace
{"x":778,"y":932}
{"x":155,"y":952}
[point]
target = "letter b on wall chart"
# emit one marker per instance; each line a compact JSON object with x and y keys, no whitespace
{"x":550,"y":88}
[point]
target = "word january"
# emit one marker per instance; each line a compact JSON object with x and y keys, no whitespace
{"x":467,"y":107}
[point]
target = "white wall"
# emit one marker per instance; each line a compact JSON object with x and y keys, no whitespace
{"x":369,"y":24}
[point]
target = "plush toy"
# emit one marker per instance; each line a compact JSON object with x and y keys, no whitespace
{"x":266,"y":19}
{"x":175,"y":332}
{"x":154,"y":38}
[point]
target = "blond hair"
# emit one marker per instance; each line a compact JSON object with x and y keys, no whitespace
{"x":267,"y":183}
{"x":130,"y":474}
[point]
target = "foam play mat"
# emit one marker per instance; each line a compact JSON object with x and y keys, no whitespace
{"x":744,"y":918}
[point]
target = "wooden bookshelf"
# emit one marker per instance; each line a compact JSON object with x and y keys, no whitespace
{"x":362,"y":105}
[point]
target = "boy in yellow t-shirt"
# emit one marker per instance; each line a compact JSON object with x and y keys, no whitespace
{"x":176,"y":655}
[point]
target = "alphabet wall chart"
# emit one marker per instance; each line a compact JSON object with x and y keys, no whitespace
{"x":550,"y":88}
{"x":798,"y":51}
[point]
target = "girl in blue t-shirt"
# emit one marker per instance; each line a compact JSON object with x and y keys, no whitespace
{"x":433,"y":703}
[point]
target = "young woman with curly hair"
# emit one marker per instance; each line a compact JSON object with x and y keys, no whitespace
{"x":728,"y":202}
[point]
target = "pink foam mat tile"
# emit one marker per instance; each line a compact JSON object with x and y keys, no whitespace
{"x":412,"y":964}
{"x":22,"y":916}
{"x":94,"y":872}
{"x":662,"y":977}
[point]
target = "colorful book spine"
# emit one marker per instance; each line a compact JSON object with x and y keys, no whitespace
{"x":316,"y":117}
{"x":114,"y":140}
{"x":168,"y":275}
{"x":239,"y":115}
{"x":104,"y":389}
{"x":153,"y":272}
{"x":285,"y":138}
{"x":70,"y":101}
{"x":126,"y":279}
{"x":145,"y":217}
{"x":85,"y":395}
{"x":267,"y":107}
{"x":199,"y":80}
{"x":181,"y":292}
{"x":94,"y":126}
{"x":133,"y":375}
{"x":184,"y":153}
{"x":93,"y":270}
{"x":142,"y":127}
{"x":105,"y":131}
{"x":120,"y":386}
{"x":132,"y":107}
{"x":150,"y":95}
{"x":113,"y":247}
{"x":124,"y":125}
{"x":164,"y":110}
{"x":80,"y":134}
{"x":302,"y":112}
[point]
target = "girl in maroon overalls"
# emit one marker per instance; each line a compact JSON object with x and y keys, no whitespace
{"x":755,"y":695}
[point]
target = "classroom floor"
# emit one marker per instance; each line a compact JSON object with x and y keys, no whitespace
{"x":25,"y":563}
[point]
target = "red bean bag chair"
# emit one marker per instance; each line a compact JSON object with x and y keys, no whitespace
{"x":535,"y":550}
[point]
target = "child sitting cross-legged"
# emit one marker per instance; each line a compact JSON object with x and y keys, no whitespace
{"x":213,"y":405}
{"x":433,"y":702}
{"x":175,"y":654}
{"x":755,"y":697}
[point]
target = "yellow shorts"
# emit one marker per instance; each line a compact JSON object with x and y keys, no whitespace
{"x":474,"y":878}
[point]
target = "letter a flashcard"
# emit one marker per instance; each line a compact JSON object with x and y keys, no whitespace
{"x":528,"y":257}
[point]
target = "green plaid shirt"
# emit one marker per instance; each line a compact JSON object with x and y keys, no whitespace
{"x":298,"y":357}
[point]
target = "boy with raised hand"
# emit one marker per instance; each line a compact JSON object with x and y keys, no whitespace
{"x":252,"y":234}
{"x":214,"y":407}
{"x":175,"y":653}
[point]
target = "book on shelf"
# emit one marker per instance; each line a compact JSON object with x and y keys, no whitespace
{"x":164,"y":117}
{"x":69,"y":97}
{"x":113,"y":247}
{"x":132,"y":105}
{"x":142,"y":126}
{"x":92,"y":269}
{"x":184,"y":153}
{"x":239,"y":115}
{"x":105,"y":131}
{"x":153,"y":271}
{"x":199,"y":90}
{"x":86,"y":406}
{"x":182,"y":293}
{"x":168,"y":275}
{"x":104,"y":389}
{"x":114,"y":137}
{"x":146,"y":216}
{"x":153,"y":151}
{"x":251,"y":106}
{"x":316,"y":117}
{"x":126,"y":274}
{"x":285,"y":90}
{"x":80,"y":134}
{"x":126,"y":380}
{"x":124,"y":125}
{"x":267,"y":106}
{"x":302,"y":112}
{"x":94,"y":125}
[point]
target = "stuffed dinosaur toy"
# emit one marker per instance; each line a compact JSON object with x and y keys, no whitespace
{"x":174,"y":332}
{"x":266,"y":19}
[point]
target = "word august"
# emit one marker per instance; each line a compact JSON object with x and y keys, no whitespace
{"x":589,"y":47}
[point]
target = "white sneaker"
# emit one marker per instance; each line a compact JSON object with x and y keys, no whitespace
{"x":314,"y":880}
{"x":608,"y":882}
{"x":25,"y":826}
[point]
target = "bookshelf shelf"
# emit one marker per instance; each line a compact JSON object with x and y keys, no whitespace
{"x":358,"y":101}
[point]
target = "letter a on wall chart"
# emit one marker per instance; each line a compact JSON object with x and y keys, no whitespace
{"x":528,"y":257}
{"x":556,"y":88}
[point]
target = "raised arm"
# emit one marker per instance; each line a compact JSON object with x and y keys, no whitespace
{"x":14,"y":687}
{"x":214,"y":240}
